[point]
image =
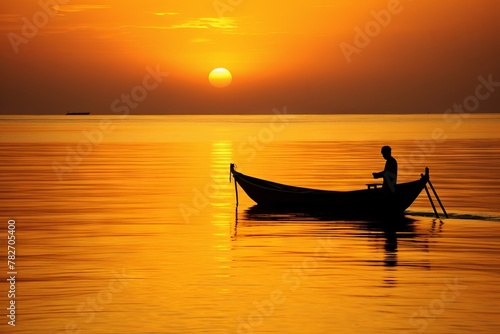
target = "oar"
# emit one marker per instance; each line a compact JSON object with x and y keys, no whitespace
{"x":430,"y":200}
{"x":236,"y":190}
{"x":437,"y":197}
{"x":231,"y":170}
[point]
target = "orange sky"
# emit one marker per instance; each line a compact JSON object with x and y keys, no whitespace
{"x":420,"y":56}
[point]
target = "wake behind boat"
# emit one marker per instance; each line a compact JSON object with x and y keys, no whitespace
{"x":371,"y":202}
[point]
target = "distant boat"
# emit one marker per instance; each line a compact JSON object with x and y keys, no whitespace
{"x":371,"y":202}
{"x":77,"y":113}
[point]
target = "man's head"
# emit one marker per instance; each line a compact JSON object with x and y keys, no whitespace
{"x":386,"y":152}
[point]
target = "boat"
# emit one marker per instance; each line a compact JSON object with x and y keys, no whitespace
{"x":374,"y":201}
{"x":78,"y":113}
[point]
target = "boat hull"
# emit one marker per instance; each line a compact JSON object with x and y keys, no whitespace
{"x":366,"y":202}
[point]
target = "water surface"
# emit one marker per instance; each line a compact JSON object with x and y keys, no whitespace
{"x":130,"y":226}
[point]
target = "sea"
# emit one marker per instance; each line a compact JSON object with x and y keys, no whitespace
{"x":128,"y":224}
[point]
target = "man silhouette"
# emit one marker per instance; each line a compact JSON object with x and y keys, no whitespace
{"x":390,"y":172}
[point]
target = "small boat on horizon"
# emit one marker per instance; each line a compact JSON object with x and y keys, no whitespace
{"x":373,"y":202}
{"x":77,"y":113}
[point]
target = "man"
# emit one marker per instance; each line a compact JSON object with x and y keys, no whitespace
{"x":390,"y":172}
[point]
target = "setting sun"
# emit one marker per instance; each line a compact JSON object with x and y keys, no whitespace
{"x":220,"y":77}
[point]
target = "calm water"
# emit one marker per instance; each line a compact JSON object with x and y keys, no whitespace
{"x":130,"y":226}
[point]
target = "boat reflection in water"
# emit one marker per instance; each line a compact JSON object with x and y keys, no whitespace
{"x":415,"y":232}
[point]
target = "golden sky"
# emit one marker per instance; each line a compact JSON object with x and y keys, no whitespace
{"x":316,"y":56}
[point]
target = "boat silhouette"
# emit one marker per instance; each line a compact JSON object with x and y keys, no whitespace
{"x":77,"y":113}
{"x":371,"y":202}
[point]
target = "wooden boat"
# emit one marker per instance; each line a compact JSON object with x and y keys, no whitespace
{"x":373,"y":201}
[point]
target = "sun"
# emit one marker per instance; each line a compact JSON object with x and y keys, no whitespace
{"x":220,"y":77}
